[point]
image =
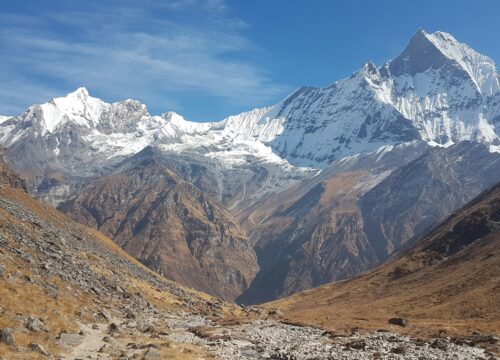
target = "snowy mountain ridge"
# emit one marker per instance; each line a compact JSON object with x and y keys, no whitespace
{"x":479,"y":67}
{"x":437,"y":90}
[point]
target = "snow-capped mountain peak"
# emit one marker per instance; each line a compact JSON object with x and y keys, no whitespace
{"x":433,"y":51}
{"x":78,"y":107}
{"x":176,"y":127}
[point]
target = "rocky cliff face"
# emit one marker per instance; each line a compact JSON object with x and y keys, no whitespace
{"x":7,"y":176}
{"x":417,"y":196}
{"x":169,"y":225}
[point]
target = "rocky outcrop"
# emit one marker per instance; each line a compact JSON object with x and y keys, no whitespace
{"x":7,"y":176}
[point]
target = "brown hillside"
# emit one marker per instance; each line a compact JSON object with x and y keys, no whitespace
{"x":449,"y":281}
{"x":170,"y":226}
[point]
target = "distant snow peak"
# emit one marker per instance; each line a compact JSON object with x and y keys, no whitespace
{"x":80,"y":92}
{"x":4,"y":118}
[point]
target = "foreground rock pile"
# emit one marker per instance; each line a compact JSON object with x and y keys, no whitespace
{"x":271,"y":339}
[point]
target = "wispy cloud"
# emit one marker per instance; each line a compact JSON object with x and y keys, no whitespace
{"x":160,"y":52}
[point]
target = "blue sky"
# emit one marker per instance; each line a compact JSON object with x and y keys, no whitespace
{"x":209,"y":59}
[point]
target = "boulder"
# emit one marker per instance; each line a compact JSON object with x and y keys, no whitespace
{"x":38,"y":348}
{"x":398,"y":321}
{"x":69,"y":340}
{"x":152,"y":354}
{"x":6,"y":337}
{"x":35,"y":324}
{"x":275,"y":312}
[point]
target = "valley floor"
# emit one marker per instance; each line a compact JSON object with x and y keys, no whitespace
{"x":187,"y":336}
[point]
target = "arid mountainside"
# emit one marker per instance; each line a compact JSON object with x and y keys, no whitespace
{"x":58,"y":278}
{"x":421,"y":194}
{"x":169,"y":225}
{"x":447,"y":281}
{"x":358,"y":213}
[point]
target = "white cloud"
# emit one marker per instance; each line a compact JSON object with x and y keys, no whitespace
{"x":159,"y":54}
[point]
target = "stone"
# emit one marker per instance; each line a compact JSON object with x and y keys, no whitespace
{"x":69,"y":340}
{"x":398,"y":321}
{"x":38,"y":348}
{"x":276,"y":312}
{"x":103,"y":314}
{"x":113,"y":328}
{"x":400,"y":350}
{"x":356,"y":344}
{"x":6,"y":337}
{"x":440,"y":344}
{"x":35,"y":324}
{"x":152,"y":354}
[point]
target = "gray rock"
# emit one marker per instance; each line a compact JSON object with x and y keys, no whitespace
{"x":103,"y":314}
{"x":38,"y":348}
{"x":6,"y":337}
{"x":69,"y":340}
{"x":35,"y":324}
{"x":152,"y":354}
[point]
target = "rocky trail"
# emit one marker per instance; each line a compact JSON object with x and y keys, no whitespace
{"x":197,"y":337}
{"x":87,"y":345}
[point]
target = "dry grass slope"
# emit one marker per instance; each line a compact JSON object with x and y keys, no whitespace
{"x":448,"y":282}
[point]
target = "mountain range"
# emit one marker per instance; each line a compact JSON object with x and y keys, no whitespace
{"x":322,"y":186}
